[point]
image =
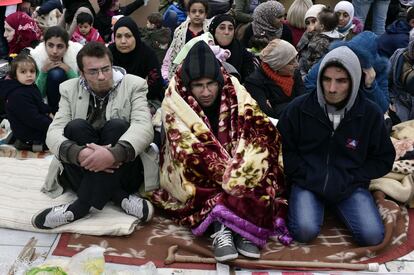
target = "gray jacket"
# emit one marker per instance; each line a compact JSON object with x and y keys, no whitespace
{"x":128,"y":102}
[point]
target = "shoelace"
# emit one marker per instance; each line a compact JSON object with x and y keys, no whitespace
{"x":59,"y":216}
{"x":244,"y":240}
{"x":134,"y":206}
{"x":223,"y":237}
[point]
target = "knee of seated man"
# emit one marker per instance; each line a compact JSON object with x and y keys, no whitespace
{"x":75,"y":125}
{"x":304,"y":232}
{"x":370,"y":236}
{"x":117,"y":123}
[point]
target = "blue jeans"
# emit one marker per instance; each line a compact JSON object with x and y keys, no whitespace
{"x":359,"y":213}
{"x":55,"y":76}
{"x":379,"y":13}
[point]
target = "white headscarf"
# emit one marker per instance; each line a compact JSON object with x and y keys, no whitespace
{"x":313,"y":11}
{"x":348,"y":8}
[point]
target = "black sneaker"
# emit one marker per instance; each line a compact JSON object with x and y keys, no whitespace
{"x":224,"y":249}
{"x":53,"y":217}
{"x":246,"y":247}
{"x":138,"y":207}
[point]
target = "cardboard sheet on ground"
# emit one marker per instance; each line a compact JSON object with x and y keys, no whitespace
{"x":20,"y":199}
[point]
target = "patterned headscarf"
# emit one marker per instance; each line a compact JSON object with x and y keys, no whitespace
{"x":26,"y":31}
{"x":263,"y":17}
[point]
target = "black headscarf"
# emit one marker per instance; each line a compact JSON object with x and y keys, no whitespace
{"x":141,"y":61}
{"x":240,"y":59}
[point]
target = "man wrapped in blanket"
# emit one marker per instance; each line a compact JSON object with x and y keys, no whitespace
{"x":219,"y":161}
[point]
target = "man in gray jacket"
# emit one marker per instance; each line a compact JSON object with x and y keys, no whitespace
{"x":102,"y":126}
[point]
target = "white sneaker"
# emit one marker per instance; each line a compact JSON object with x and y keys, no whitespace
{"x":138,"y":207}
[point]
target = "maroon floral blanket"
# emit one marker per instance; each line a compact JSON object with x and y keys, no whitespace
{"x":233,"y":177}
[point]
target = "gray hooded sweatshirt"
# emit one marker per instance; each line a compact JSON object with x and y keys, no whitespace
{"x":350,"y":61}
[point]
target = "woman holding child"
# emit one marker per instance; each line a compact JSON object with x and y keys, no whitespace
{"x":222,"y":28}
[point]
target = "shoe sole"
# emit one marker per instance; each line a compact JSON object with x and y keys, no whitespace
{"x":32,"y":221}
{"x":227,"y":257}
{"x":249,"y":254}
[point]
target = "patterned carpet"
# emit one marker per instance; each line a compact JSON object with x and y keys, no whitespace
{"x":151,"y":242}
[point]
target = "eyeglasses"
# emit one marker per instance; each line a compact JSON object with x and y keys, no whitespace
{"x":103,"y":70}
{"x":198,"y":87}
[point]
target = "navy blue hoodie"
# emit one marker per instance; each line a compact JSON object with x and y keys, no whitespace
{"x":333,"y":161}
{"x":25,"y":110}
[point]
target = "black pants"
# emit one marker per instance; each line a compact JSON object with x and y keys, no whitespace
{"x":55,"y":77}
{"x":97,"y":188}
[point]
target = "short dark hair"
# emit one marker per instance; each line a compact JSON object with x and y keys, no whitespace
{"x":328,"y":18}
{"x":202,"y":2}
{"x":84,"y":17}
{"x":93,"y":49}
{"x":19,"y":59}
{"x":156,"y":19}
{"x":57,"y":31}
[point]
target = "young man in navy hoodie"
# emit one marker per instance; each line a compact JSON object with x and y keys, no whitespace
{"x":334,"y":142}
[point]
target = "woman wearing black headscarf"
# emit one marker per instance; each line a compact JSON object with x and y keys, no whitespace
{"x":222,"y":28}
{"x":135,"y":57}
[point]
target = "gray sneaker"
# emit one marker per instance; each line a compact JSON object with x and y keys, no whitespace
{"x":224,"y":249}
{"x":138,"y":207}
{"x":53,"y":217}
{"x":246,"y":247}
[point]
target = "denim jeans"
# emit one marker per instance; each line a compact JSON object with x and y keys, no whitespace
{"x":379,"y":13}
{"x":359,"y":213}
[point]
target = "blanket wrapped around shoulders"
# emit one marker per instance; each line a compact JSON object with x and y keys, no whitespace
{"x":233,"y":177}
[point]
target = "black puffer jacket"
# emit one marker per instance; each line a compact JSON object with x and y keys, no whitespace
{"x":27,"y":113}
